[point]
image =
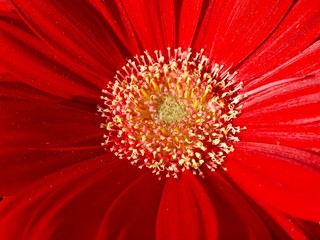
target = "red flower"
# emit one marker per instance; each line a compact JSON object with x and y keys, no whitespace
{"x":58,"y":182}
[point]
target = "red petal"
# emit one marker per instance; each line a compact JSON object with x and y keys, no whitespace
{"x":231,"y":30}
{"x":42,"y":133}
{"x":299,"y":29}
{"x":236,"y":217}
{"x":282,"y":177}
{"x":189,"y":17}
{"x":168,"y":20}
{"x":115,"y":15}
{"x":311,"y":229}
{"x":6,"y":5}
{"x":31,"y":61}
{"x":69,"y":204}
{"x":300,"y":136}
{"x":301,"y":65}
{"x":286,"y":102}
{"x":185,"y":211}
{"x":77,"y":32}
{"x":284,"y":113}
{"x":28,"y":114}
{"x":153,"y":22}
{"x":288,"y":224}
{"x":132,"y":214}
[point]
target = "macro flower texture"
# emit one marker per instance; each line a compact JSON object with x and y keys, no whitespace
{"x":139,"y":119}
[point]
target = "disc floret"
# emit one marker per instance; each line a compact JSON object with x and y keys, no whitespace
{"x":172,"y":112}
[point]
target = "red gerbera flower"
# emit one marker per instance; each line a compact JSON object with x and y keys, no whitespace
{"x":216,"y":101}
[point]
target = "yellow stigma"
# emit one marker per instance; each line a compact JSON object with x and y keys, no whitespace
{"x":172,"y":112}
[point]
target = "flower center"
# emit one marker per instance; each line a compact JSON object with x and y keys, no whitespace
{"x":172,"y":113}
{"x":171,"y":110}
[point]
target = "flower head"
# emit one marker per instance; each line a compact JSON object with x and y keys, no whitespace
{"x":217,"y":102}
{"x":172,"y":113}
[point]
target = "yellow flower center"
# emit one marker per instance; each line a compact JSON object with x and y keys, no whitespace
{"x":171,"y":110}
{"x":172,"y":113}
